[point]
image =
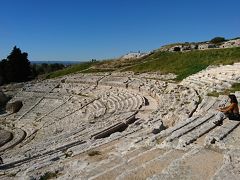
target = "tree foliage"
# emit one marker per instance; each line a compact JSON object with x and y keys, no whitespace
{"x":44,"y":68}
{"x":16,"y":67}
{"x":217,"y":40}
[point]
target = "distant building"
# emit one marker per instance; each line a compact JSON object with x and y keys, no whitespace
{"x":231,"y":44}
{"x":134,"y":55}
{"x":203,"y":46}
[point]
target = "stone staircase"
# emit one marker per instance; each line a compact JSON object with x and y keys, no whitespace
{"x":103,"y":130}
{"x":214,"y":78}
{"x":196,"y":164}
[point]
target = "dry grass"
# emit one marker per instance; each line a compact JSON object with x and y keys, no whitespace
{"x":94,"y":153}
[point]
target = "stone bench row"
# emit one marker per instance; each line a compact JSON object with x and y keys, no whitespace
{"x":151,"y":167}
{"x":123,"y":101}
{"x":50,"y":142}
{"x":196,"y":133}
{"x":18,"y":136}
{"x":85,"y":79}
{"x":71,"y":106}
{"x":41,"y":155}
{"x":220,"y":133}
{"x":198,"y":84}
{"x":230,"y":166}
{"x":130,"y":163}
{"x":41,"y":87}
{"x":189,"y":127}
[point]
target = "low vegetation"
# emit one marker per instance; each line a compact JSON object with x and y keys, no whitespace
{"x":44,"y":68}
{"x":217,"y":40}
{"x":94,"y":153}
{"x":49,"y":175}
{"x":184,"y":64}
{"x":71,"y":69}
{"x":15,"y":68}
{"x":214,"y":94}
{"x":235,"y":87}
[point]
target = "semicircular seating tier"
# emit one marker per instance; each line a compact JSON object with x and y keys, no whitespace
{"x":120,"y":126}
{"x":214,"y":78}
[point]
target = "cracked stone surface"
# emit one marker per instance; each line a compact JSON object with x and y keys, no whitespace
{"x":5,"y":136}
{"x":121,"y":126}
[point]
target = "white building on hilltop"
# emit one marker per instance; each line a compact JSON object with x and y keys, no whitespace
{"x":231,"y":44}
{"x":134,"y":55}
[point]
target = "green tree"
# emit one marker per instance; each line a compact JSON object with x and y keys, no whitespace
{"x":20,"y":65}
{"x":217,"y":40}
{"x":16,"y":67}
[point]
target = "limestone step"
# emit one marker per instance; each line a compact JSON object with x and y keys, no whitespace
{"x":189,"y":127}
{"x":210,"y":104}
{"x":230,"y":167}
{"x":110,"y":162}
{"x":5,"y":136}
{"x":151,"y":167}
{"x":232,"y":140}
{"x":221,"y":101}
{"x":196,"y":133}
{"x":130,"y":164}
{"x":40,"y":155}
{"x":18,"y":136}
{"x":221,"y":132}
{"x":27,"y":106}
{"x":206,"y":104}
{"x":197,"y":164}
{"x":178,"y":126}
{"x":195,"y":81}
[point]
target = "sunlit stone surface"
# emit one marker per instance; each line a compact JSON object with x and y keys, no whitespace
{"x":121,"y":126}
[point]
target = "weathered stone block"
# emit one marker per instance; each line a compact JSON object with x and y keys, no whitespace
{"x":14,"y":107}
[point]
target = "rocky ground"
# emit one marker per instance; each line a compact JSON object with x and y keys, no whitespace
{"x":121,"y":126}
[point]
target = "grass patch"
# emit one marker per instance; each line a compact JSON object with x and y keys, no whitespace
{"x":97,"y":70}
{"x":49,"y":175}
{"x":184,"y":64}
{"x":214,"y":94}
{"x":159,"y":140}
{"x":12,"y":174}
{"x":94,"y":153}
{"x":70,"y":70}
{"x":235,"y":87}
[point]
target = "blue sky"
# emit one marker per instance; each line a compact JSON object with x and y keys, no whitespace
{"x":80,"y":30}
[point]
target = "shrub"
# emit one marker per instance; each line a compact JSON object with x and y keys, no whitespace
{"x":217,"y":40}
{"x":94,"y":153}
{"x":16,"y":68}
{"x":49,"y":175}
{"x":177,"y":49}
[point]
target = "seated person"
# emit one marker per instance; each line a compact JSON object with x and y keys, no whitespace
{"x":231,"y":111}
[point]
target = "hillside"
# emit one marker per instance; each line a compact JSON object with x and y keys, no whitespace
{"x":182,"y":64}
{"x":136,"y":122}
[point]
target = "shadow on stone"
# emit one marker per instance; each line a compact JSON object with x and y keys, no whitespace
{"x":158,"y":128}
{"x":14,"y":107}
